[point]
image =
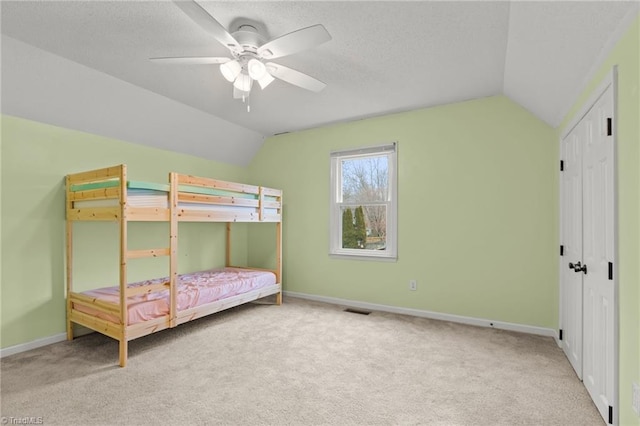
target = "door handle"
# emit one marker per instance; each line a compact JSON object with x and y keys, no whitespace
{"x":578,"y":267}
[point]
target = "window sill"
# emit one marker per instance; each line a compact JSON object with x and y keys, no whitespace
{"x":363,"y":257}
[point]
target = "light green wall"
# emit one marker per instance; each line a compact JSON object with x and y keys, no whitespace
{"x":626,"y":55}
{"x":477,"y":212}
{"x":1,"y":260}
{"x":35,"y":159}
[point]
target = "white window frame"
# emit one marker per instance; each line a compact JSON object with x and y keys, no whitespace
{"x":335,"y":216}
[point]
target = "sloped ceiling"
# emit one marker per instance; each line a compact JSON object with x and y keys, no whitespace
{"x":384,"y":56}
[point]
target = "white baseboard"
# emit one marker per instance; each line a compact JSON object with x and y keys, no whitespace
{"x":11,"y":350}
{"x":530,"y":329}
{"x":541,"y":331}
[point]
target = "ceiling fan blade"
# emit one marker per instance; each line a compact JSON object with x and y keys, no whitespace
{"x":294,"y":42}
{"x":201,"y":17}
{"x":196,"y":60}
{"x":294,"y":77}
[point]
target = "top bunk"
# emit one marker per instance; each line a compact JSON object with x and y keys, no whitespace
{"x":107,"y":195}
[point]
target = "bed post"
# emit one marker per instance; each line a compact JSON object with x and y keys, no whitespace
{"x":173,"y":248}
{"x":124,"y":351}
{"x":228,"y":246}
{"x":279,"y":259}
{"x":123,"y":266}
{"x":69,"y":246}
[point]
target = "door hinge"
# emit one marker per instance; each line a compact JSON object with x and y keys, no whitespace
{"x":611,"y":270}
{"x":610,"y":415}
{"x":561,"y":165}
{"x":561,"y":250}
{"x":609,"y":126}
{"x":560,"y":334}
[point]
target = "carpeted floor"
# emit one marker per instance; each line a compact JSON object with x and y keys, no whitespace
{"x":302,"y":363}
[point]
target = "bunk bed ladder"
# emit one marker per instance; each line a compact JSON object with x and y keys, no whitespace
{"x":126,"y":254}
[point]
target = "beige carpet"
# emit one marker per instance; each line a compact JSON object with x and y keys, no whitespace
{"x":302,"y":363}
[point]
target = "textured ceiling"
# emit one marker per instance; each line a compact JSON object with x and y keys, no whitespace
{"x":384,"y":56}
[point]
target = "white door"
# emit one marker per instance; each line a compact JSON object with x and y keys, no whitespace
{"x":588,"y":304}
{"x":571,"y":225}
{"x":598,"y":255}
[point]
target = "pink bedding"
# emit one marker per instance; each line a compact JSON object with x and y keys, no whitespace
{"x":194,"y":289}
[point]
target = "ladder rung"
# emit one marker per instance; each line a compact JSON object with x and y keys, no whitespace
{"x":135,"y":254}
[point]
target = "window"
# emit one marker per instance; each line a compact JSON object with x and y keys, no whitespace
{"x":363,"y":202}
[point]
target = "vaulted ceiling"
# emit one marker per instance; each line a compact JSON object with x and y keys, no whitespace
{"x":384,"y":57}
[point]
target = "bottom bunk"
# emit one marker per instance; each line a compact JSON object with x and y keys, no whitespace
{"x":148,"y":304}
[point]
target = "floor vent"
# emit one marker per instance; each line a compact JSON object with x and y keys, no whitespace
{"x":357,"y":311}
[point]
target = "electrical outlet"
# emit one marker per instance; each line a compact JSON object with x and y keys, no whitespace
{"x":413,"y":285}
{"x":636,"y":398}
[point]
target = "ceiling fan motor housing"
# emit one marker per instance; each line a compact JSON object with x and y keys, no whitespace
{"x":248,"y":38}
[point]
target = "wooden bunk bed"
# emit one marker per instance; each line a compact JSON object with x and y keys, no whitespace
{"x":107,"y":195}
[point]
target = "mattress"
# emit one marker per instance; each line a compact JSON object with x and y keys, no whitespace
{"x":194,"y":289}
{"x":149,"y":194}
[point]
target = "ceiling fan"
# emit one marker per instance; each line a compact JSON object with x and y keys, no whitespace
{"x":251,"y":53}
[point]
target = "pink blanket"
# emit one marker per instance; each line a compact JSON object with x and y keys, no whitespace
{"x":194,"y":289}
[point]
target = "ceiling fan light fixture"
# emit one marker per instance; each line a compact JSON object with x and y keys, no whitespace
{"x":265,"y":80}
{"x":230,"y":70}
{"x":243,"y":82}
{"x":257,"y":70}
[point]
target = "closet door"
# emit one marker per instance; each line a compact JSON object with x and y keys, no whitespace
{"x":598,"y":254}
{"x":571,"y":225}
{"x":588,"y":265}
